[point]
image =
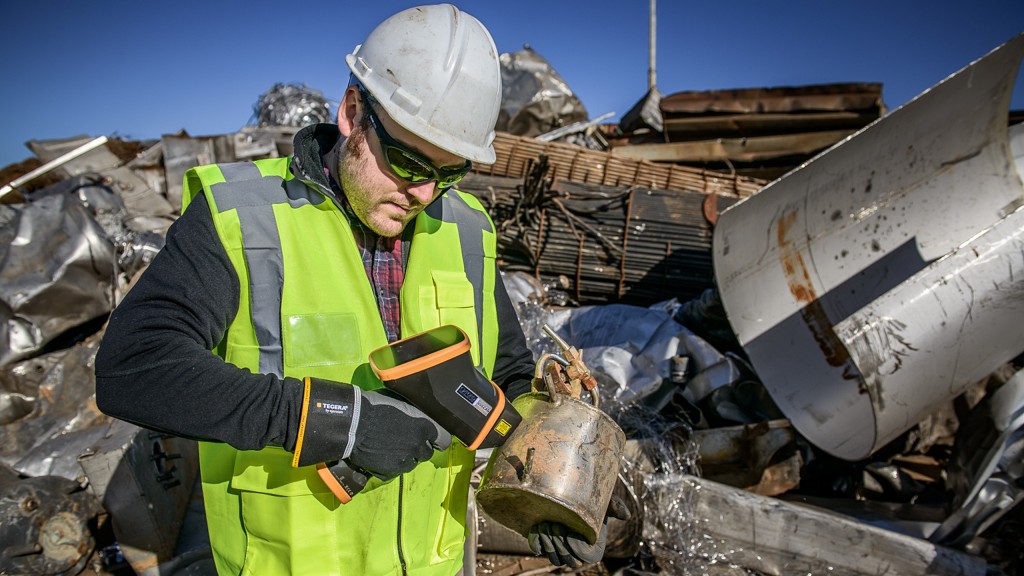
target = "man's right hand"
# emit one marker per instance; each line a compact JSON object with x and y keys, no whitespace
{"x":393,"y":436}
{"x":375,"y":431}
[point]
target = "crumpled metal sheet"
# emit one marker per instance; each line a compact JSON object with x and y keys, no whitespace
{"x":182,"y":152}
{"x":534,"y":98}
{"x":44,"y":398}
{"x":64,"y":249}
{"x":56,"y":273}
{"x":101,"y":158}
{"x":295,"y":105}
{"x":145,"y":209}
{"x":987,"y":465}
{"x":645,"y":114}
{"x":58,"y":455}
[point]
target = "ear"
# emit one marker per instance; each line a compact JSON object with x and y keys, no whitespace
{"x":349,"y":111}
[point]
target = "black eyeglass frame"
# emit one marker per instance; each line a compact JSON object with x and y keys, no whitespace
{"x":441,"y":176}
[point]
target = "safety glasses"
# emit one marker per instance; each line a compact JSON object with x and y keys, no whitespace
{"x":408,"y":164}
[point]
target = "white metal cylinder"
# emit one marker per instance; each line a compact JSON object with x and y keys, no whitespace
{"x":883,"y":277}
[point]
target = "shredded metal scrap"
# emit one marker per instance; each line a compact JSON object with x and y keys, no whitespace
{"x":294,"y":105}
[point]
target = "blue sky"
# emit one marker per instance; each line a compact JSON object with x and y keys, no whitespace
{"x":139,"y":69}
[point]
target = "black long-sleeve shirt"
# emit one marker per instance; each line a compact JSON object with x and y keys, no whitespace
{"x":155,"y":367}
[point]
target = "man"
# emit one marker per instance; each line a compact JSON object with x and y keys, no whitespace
{"x":282,"y":275}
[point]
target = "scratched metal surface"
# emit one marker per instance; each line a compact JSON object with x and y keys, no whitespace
{"x":876,"y":282}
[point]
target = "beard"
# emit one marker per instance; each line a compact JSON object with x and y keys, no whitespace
{"x":370,"y":203}
{"x":354,"y":142}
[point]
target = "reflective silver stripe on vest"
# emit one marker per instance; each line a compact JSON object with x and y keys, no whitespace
{"x":253,"y":196}
{"x":472,"y":223}
{"x":254,"y":190}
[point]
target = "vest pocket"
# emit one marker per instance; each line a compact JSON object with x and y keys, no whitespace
{"x":456,"y":304}
{"x":286,"y":535}
{"x":322,"y":340}
{"x":270,"y":471}
{"x":278,"y":505}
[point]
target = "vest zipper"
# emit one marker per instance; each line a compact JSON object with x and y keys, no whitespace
{"x":401,"y":491}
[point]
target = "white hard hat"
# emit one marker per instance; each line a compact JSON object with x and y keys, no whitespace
{"x":435,"y":71}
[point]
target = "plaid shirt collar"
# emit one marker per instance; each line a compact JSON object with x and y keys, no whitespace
{"x":383,"y":258}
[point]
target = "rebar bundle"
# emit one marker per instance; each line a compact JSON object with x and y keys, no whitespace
{"x":515,"y":155}
{"x":627,"y":244}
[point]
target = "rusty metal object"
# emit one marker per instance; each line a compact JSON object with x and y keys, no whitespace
{"x":787,"y":99}
{"x":751,"y":456}
{"x":560,"y":466}
{"x":798,"y":279}
{"x":46,"y":404}
{"x":515,"y":155}
{"x":623,"y":536}
{"x":44,"y":526}
{"x":554,"y":378}
{"x":584,"y":237}
{"x":752,"y":149}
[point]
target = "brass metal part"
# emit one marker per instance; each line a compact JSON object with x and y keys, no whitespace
{"x":576,"y":371}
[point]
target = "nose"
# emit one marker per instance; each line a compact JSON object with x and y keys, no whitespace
{"x":423,"y":192}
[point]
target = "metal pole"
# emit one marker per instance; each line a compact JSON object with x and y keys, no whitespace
{"x":650,"y":65}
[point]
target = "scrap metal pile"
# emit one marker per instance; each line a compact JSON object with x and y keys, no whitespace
{"x":821,"y":409}
{"x":771,"y":428}
{"x":758,"y":132}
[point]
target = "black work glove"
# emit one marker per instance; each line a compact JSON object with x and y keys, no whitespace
{"x":393,"y":436}
{"x":375,"y":431}
{"x":563,"y":547}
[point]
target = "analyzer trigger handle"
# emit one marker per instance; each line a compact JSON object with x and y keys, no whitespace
{"x":344,"y":481}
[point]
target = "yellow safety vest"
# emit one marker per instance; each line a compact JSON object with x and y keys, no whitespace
{"x":306,"y":308}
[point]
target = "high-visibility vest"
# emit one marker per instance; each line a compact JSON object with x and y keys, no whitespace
{"x":306,"y":308}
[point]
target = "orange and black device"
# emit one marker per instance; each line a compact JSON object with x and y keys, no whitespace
{"x":434,"y":372}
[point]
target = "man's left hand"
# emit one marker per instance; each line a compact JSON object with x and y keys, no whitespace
{"x":564,"y":547}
